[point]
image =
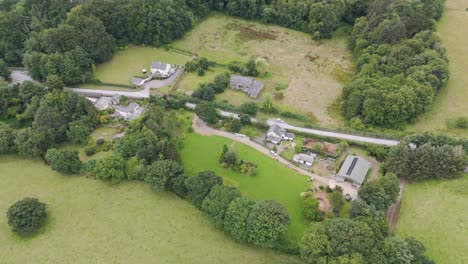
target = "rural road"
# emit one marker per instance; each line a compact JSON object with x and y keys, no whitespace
{"x":272,"y":121}
{"x":201,"y":128}
{"x":378,"y":141}
{"x":145,"y":93}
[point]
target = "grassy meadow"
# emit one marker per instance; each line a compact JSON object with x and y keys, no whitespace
{"x":312,"y":70}
{"x":435,"y":213}
{"x":452,"y":101}
{"x":91,"y":221}
{"x":129,"y":62}
{"x":273,"y":181}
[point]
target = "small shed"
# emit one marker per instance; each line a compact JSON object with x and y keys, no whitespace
{"x":137,"y":81}
{"x":305,"y":159}
{"x":354,"y":169}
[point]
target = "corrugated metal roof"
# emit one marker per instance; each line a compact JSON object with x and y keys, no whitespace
{"x":354,"y":168}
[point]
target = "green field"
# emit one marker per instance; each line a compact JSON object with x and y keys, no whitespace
{"x":191,"y":80}
{"x":435,"y":213}
{"x":452,"y":101}
{"x":128,"y":63}
{"x":274,"y":181}
{"x":308,"y":68}
{"x":93,"y":222}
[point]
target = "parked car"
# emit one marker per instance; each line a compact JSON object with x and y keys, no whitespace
{"x":273,"y":153}
{"x":279,"y":120}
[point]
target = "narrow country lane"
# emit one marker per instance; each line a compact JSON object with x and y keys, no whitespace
{"x":201,"y":128}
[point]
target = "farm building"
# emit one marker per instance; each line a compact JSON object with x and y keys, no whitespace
{"x":246,"y":84}
{"x":162,"y":70}
{"x":354,"y":169}
{"x":305,"y":159}
{"x":276,"y":133}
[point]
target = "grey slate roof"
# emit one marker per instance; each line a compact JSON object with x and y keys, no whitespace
{"x":354,"y":168}
{"x":247,"y":84}
{"x":278,"y":130}
{"x":136,"y":81}
{"x":103,"y":103}
{"x":307,"y":158}
{"x":289,"y":135}
{"x":158,"y":65}
{"x":131,"y":107}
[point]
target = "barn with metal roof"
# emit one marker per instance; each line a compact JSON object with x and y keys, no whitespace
{"x":354,"y":169}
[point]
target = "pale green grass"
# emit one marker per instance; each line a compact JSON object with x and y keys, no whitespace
{"x":452,"y":101}
{"x":234,"y":97}
{"x":191,"y":80}
{"x":309,"y":68}
{"x":128,"y":63}
{"x":93,"y":222}
{"x":435,"y":213}
{"x":274,"y":181}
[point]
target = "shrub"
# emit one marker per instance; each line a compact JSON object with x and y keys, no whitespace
{"x":310,"y":207}
{"x":200,"y":72}
{"x":207,"y":112}
{"x":235,"y":125}
{"x":461,"y":122}
{"x":64,"y":161}
{"x":100,"y":141}
{"x":249,"y":108}
{"x":337,"y":201}
{"x":244,"y":119}
{"x":89,"y":151}
{"x":26,"y":216}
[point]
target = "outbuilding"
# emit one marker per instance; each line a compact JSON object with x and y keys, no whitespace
{"x":354,"y":170}
{"x":305,"y":159}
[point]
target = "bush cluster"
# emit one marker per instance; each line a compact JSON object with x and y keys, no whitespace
{"x":228,"y":159}
{"x":26,"y":216}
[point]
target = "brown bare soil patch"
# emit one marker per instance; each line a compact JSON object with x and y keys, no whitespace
{"x":251,"y":32}
{"x":327,"y":147}
{"x":324,"y":204}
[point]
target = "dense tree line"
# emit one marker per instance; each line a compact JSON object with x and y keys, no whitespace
{"x":66,"y":38}
{"x":41,"y":118}
{"x":363,"y":238}
{"x":428,"y":157}
{"x":401,"y":63}
{"x":147,"y":152}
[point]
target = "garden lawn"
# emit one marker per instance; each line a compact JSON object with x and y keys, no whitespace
{"x":128,"y":63}
{"x":313,"y":71}
{"x":190,"y":80}
{"x":94,"y":222}
{"x":435,"y":213}
{"x":273,"y":181}
{"x":452,"y":101}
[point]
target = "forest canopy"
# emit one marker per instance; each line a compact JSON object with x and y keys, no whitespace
{"x":401,"y":62}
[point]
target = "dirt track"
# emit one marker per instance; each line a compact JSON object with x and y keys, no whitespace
{"x":394,"y":211}
{"x":201,"y":128}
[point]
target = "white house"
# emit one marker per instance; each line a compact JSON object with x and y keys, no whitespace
{"x":276,"y":133}
{"x":162,"y":70}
